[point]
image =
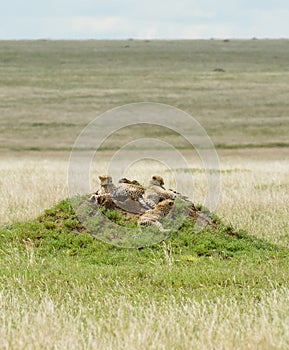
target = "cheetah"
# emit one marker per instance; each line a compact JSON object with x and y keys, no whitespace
{"x":106,"y":186}
{"x":152,"y":217}
{"x":156,"y":192}
{"x":124,"y":192}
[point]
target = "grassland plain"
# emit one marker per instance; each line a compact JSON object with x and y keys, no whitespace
{"x":45,"y":86}
{"x":62,"y":288}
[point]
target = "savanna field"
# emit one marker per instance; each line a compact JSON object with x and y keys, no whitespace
{"x":222,"y":288}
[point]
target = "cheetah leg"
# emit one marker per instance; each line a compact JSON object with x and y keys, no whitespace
{"x":144,"y":204}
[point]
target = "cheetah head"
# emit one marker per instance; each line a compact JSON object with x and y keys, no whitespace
{"x":105,"y":180}
{"x":165,"y":206}
{"x":157,"y":180}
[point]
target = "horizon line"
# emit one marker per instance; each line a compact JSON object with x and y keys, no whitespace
{"x":146,"y":39}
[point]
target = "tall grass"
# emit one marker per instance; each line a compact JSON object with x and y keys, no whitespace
{"x":30,"y":186}
{"x":123,"y":323}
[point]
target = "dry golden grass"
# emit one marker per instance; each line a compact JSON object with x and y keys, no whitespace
{"x":30,"y":186}
{"x":26,"y":323}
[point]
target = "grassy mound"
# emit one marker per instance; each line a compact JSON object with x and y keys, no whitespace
{"x":58,"y":230}
{"x":54,"y":254}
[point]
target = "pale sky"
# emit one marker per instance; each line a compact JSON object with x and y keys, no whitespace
{"x":150,"y":19}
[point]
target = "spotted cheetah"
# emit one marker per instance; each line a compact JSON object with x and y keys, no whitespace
{"x":156,"y":192}
{"x":152,"y":217}
{"x":122,"y":192}
{"x":106,"y":186}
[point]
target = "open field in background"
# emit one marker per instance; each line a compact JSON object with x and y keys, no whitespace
{"x":74,"y":292}
{"x":50,"y":90}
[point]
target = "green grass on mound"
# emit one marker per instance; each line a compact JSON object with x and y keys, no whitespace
{"x":59,"y":231}
{"x":55,"y":248}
